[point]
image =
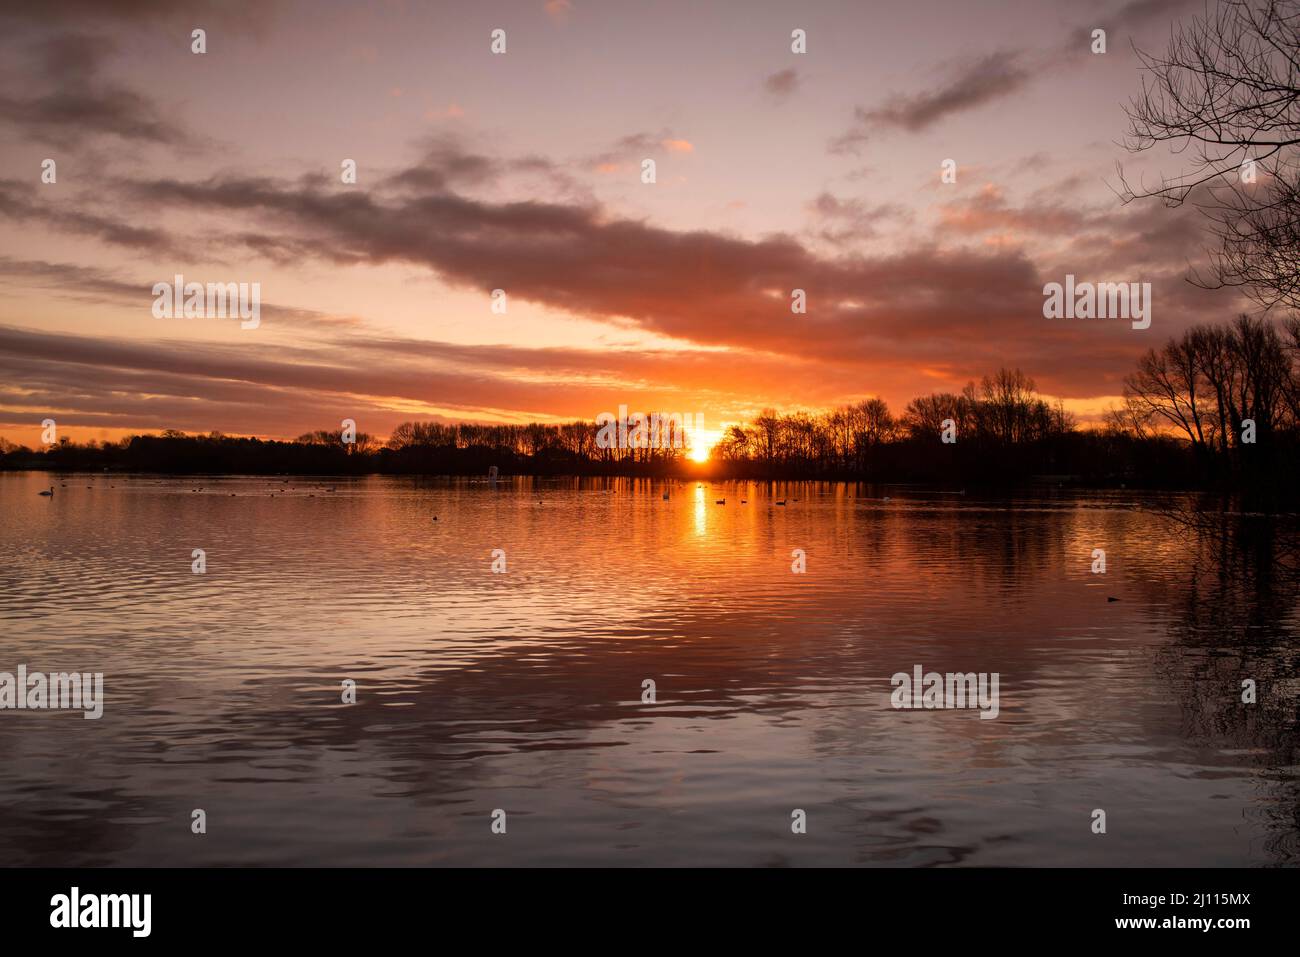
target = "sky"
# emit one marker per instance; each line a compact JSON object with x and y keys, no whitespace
{"x":522,"y":171}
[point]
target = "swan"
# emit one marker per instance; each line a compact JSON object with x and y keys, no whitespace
{"x":50,"y":493}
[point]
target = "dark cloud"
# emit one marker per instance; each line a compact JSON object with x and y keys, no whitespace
{"x":782,"y":83}
{"x":275,"y":389}
{"x":25,"y":202}
{"x":700,"y":286}
{"x":67,"y":97}
{"x":251,"y":15}
{"x":967,"y":87}
{"x":1142,"y":13}
{"x":87,"y":284}
{"x":845,"y":221}
{"x":923,"y":314}
{"x":997,"y":76}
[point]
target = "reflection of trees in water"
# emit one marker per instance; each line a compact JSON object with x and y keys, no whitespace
{"x":1236,"y":620}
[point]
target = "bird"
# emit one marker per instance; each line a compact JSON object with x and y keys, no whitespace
{"x":50,"y":493}
{"x":782,"y":502}
{"x":1110,"y":598}
{"x":435,"y":518}
{"x":721,"y":501}
{"x":744,"y":501}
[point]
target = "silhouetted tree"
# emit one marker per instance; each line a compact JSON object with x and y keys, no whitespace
{"x":1226,"y":93}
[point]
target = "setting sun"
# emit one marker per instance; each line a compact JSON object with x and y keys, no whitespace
{"x":702,"y":444}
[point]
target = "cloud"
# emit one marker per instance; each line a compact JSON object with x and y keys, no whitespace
{"x":634,"y":147}
{"x":84,"y":102}
{"x":88,"y":284}
{"x":844,"y":221}
{"x":782,"y":83}
{"x":918,"y":303}
{"x":285,"y":390}
{"x":988,"y":211}
{"x":558,"y":9}
{"x":25,"y":202}
{"x":977,"y":83}
{"x":974,"y":85}
{"x":240,"y":17}
{"x":958,"y":310}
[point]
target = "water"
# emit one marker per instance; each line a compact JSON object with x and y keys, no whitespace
{"x":522,"y":691}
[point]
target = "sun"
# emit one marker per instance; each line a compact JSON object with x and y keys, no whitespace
{"x":702,"y":443}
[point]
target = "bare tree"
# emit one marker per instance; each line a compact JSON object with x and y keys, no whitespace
{"x":1226,"y":95}
{"x":1169,"y":386}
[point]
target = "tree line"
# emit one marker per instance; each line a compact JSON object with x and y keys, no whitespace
{"x":1219,"y":404}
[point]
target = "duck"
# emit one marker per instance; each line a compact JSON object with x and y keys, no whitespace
{"x":781,"y":502}
{"x":721,"y":501}
{"x":50,"y":493}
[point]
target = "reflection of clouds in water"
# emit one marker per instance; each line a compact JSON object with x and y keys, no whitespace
{"x":522,"y":690}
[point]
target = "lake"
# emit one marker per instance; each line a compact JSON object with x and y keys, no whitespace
{"x":523,"y":690}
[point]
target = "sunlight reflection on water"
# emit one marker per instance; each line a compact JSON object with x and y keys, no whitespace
{"x":523,"y":691}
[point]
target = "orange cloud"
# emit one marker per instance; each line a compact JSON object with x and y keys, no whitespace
{"x":558,"y":9}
